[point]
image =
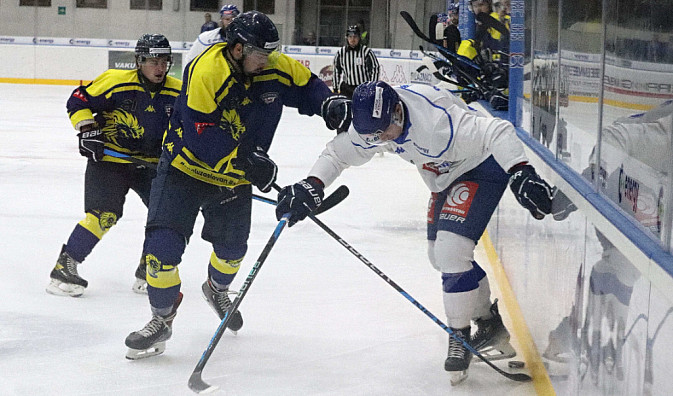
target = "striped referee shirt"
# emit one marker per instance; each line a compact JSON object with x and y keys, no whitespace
{"x":355,"y":66}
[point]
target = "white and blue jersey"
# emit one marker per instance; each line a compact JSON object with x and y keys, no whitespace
{"x":205,"y":40}
{"x":442,"y":137}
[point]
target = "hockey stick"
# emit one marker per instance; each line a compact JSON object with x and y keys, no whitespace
{"x":196,"y":382}
{"x":333,"y":199}
{"x":519,"y":377}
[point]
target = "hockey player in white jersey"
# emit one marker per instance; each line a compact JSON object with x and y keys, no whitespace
{"x":467,"y":161}
{"x":227,"y":14}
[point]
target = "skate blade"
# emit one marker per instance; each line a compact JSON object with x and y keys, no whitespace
{"x":498,"y":352}
{"x":457,"y":377}
{"x":156,"y":349}
{"x":59,"y":288}
{"x":139,"y":286}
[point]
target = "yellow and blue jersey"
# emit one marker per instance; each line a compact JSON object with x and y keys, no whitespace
{"x":132,"y":119}
{"x":219,"y":110}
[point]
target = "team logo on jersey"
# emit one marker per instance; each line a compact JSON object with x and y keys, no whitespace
{"x":106,"y":220}
{"x":459,"y":199}
{"x":231,"y":123}
{"x":432,"y":203}
{"x":437,"y":168}
{"x":269,"y":97}
{"x":150,"y":109}
{"x":200,"y":126}
{"x":168,"y":109}
{"x":79,"y":95}
{"x":120,"y":124}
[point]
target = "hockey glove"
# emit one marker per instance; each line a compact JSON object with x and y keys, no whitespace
{"x":259,"y":169}
{"x":91,"y":142}
{"x":300,"y":199}
{"x":337,"y":112}
{"x":530,"y":190}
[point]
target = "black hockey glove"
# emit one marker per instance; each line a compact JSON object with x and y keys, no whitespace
{"x":259,"y":169}
{"x":337,"y":112}
{"x":91,"y":142}
{"x":299,"y":199}
{"x":532,"y":192}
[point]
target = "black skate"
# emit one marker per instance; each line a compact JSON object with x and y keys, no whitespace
{"x":140,"y":284}
{"x":219,"y":301}
{"x":65,"y":281}
{"x":151,"y":339}
{"x":458,"y":360}
{"x":492,"y":338}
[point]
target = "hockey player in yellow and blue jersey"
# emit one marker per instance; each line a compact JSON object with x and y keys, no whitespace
{"x":126,"y":111}
{"x":215,"y":149}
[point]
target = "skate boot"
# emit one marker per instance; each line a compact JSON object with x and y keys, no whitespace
{"x":492,"y":338}
{"x":458,"y":360}
{"x":64,"y":278}
{"x":151,"y":339}
{"x":140,"y":284}
{"x":219,"y":301}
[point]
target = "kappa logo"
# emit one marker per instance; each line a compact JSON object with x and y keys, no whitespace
{"x":459,"y":199}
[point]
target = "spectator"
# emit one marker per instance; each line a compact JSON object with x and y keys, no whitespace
{"x":310,"y":39}
{"x":451,"y":38}
{"x":209,"y":25}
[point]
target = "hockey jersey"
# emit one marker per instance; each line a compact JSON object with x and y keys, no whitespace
{"x":205,"y":40}
{"x":132,"y":119}
{"x":442,"y":136}
{"x":219,"y":109}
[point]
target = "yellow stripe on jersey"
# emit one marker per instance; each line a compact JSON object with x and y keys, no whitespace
{"x":225,"y":266}
{"x":232,"y":178}
{"x":111,"y":78}
{"x":80,"y":115}
{"x":99,"y":223}
{"x":203,"y":81}
{"x":125,"y":88}
{"x":299,"y":73}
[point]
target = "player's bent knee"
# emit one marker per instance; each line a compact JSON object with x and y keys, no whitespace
{"x":459,"y":282}
{"x":452,"y":253}
{"x":163,"y":252}
{"x":98,"y":223}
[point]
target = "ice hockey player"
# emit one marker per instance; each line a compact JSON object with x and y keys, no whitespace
{"x":467,"y":161}
{"x":227,"y":14}
{"x":126,"y":111}
{"x":214,"y":151}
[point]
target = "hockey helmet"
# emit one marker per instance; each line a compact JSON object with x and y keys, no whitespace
{"x":153,"y":46}
{"x":353,"y":30}
{"x":453,"y":8}
{"x":255,"y":31}
{"x":373,"y":110}
{"x":229,"y":9}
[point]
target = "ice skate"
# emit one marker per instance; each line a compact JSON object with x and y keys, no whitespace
{"x":65,"y":281}
{"x":140,"y":284}
{"x":492,"y":338}
{"x":151,"y":339}
{"x":219,"y":301}
{"x":458,"y":359}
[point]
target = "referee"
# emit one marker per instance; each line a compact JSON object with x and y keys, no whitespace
{"x":354,"y":64}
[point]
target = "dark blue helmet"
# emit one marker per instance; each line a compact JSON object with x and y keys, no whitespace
{"x":373,"y":107}
{"x":152,"y":46}
{"x":453,"y":8}
{"x":229,"y":9}
{"x":254,"y":29}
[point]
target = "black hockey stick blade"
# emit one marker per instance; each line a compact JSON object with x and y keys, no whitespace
{"x":198,"y":385}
